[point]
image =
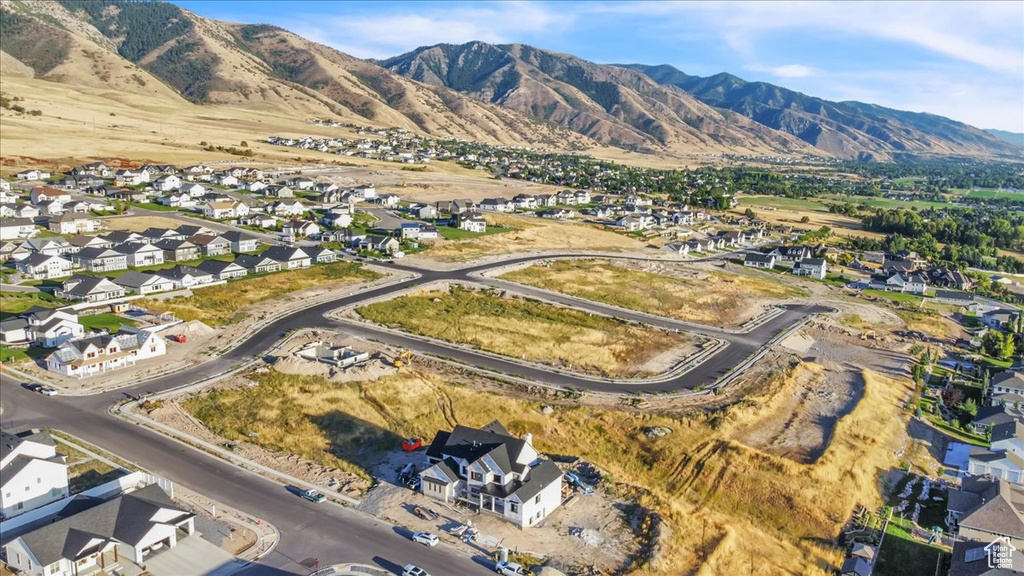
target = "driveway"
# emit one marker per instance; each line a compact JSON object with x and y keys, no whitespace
{"x":193,"y":556}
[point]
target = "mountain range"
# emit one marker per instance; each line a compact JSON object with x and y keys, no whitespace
{"x":511,"y":94}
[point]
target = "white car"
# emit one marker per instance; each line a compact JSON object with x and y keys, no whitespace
{"x":510,"y":569}
{"x":412,"y":570}
{"x":425,"y":538}
{"x":48,"y":391}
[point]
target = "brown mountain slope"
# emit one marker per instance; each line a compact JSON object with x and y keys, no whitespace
{"x":158,"y":49}
{"x":610,"y":104}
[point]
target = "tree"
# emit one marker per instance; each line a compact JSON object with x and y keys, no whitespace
{"x":996,"y":345}
{"x":749,"y":213}
{"x":969,"y":406}
{"x":805,"y":219}
{"x":952,"y":396}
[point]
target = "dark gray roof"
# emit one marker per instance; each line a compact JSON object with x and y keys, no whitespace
{"x":1007,"y":430}
{"x":992,"y":415}
{"x":250,"y":261}
{"x":84,"y":285}
{"x":96,"y":252}
{"x":284,"y":253}
{"x":37,"y":258}
{"x":472,"y":444}
{"x":1009,"y":378}
{"x":126,"y":518}
{"x":180,"y":271}
{"x":216,"y":266}
{"x":759,"y":258}
{"x":541,"y":476}
{"x":134,"y":279}
{"x":236,"y":236}
{"x":989,"y":505}
{"x":812,"y":262}
{"x":170,"y":244}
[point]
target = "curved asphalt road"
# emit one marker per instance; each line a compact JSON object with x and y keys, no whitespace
{"x":328,"y":532}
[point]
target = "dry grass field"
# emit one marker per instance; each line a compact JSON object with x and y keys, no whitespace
{"x":533,"y":234}
{"x":745,"y":511}
{"x":530,"y":330}
{"x":226,"y":303}
{"x":706,"y":297}
{"x":140,"y":223}
{"x":790,"y":212}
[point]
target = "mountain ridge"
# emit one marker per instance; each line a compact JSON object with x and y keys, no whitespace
{"x":847,"y":129}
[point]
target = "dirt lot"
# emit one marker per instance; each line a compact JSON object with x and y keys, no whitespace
{"x":140,"y":223}
{"x":531,"y":235}
{"x":534,"y":331}
{"x":700,"y":293}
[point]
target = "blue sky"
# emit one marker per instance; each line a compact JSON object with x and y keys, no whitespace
{"x":964,"y":60}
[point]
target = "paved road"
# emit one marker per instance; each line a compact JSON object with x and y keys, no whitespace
{"x":329,"y":533}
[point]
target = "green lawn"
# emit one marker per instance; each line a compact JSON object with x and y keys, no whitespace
{"x":783,"y":203}
{"x":105,"y":321}
{"x":15,"y":355}
{"x":14,"y":303}
{"x":878,"y":202}
{"x":450,"y":233}
{"x":154,"y":206}
{"x":902,"y":556}
{"x":895,"y":296}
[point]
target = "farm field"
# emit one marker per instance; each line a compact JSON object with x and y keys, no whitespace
{"x":530,"y":330}
{"x":532,"y":234}
{"x":226,"y":303}
{"x":705,"y":297}
{"x":746,"y":503}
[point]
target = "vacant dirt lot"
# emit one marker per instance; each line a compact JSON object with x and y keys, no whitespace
{"x":229,"y":303}
{"x":531,"y":235}
{"x":140,"y":223}
{"x":533,"y":331}
{"x":685,"y":292}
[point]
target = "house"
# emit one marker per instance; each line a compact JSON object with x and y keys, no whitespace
{"x":899,"y":266}
{"x":241,"y":242}
{"x":409,"y":230}
{"x":221,"y":209}
{"x":983,"y":513}
{"x":914,"y":283}
{"x":257,"y":264}
{"x":97,"y":354}
{"x":811,"y":267}
{"x":140,"y":254}
{"x":93,"y":169}
{"x":167,"y":183}
{"x":177,"y":201}
{"x":546,"y":200}
{"x":1005,"y":457}
{"x":792,"y":253}
{"x":24,"y":211}
{"x":289,"y":258}
{"x":954,"y":297}
{"x":43,"y":266}
{"x":90,"y":289}
{"x":490,"y":469}
{"x":185,"y":276}
{"x":258,"y":220}
{"x":227,"y":180}
{"x":222,"y":270}
{"x":211,"y":244}
{"x":756,"y":260}
{"x":154,"y":235}
{"x":999,"y":319}
{"x":143,"y":283}
{"x":13,"y":251}
{"x":45,"y":194}
{"x":950,"y":278}
{"x":424,"y":211}
{"x":1010,"y":382}
{"x":472,"y":223}
{"x":33,"y":175}
{"x":193,"y":189}
{"x":389,"y":200}
{"x":990,"y":416}
{"x":381,"y":244}
{"x":256,"y":186}
{"x":46,"y":327}
{"x":287,"y":208}
{"x":300,"y":228}
{"x":278,"y":192}
{"x":320,"y":255}
{"x":428,"y":232}
{"x":178,"y":250}
{"x":121,"y":236}
{"x":14,"y":228}
{"x":679,"y":248}
{"x":100,"y":259}
{"x":337,"y":218}
{"x":495,"y":205}
{"x":633,"y":222}
{"x":32,"y":473}
{"x":97,"y":538}
{"x":557,"y":214}
{"x":302,"y":183}
{"x":72,"y":224}
{"x":131,"y":177}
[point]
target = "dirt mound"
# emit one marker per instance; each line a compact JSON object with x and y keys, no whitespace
{"x":195,"y":329}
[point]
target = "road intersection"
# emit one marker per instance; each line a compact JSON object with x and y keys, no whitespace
{"x":330,"y":533}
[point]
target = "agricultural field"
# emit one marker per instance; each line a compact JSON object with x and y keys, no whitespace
{"x":531,"y":235}
{"x":703,"y":296}
{"x":746,"y":503}
{"x":226,"y":303}
{"x":530,"y":330}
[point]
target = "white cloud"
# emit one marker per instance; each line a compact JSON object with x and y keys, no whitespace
{"x":393,"y":32}
{"x":792,"y":71}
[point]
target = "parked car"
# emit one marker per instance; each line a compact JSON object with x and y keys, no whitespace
{"x":34,"y":387}
{"x":510,"y":569}
{"x":313,"y":496}
{"x":48,"y":391}
{"x":425,"y":538}
{"x":413,"y":570}
{"x":410,"y":444}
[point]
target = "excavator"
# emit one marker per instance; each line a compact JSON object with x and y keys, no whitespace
{"x":403,"y":359}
